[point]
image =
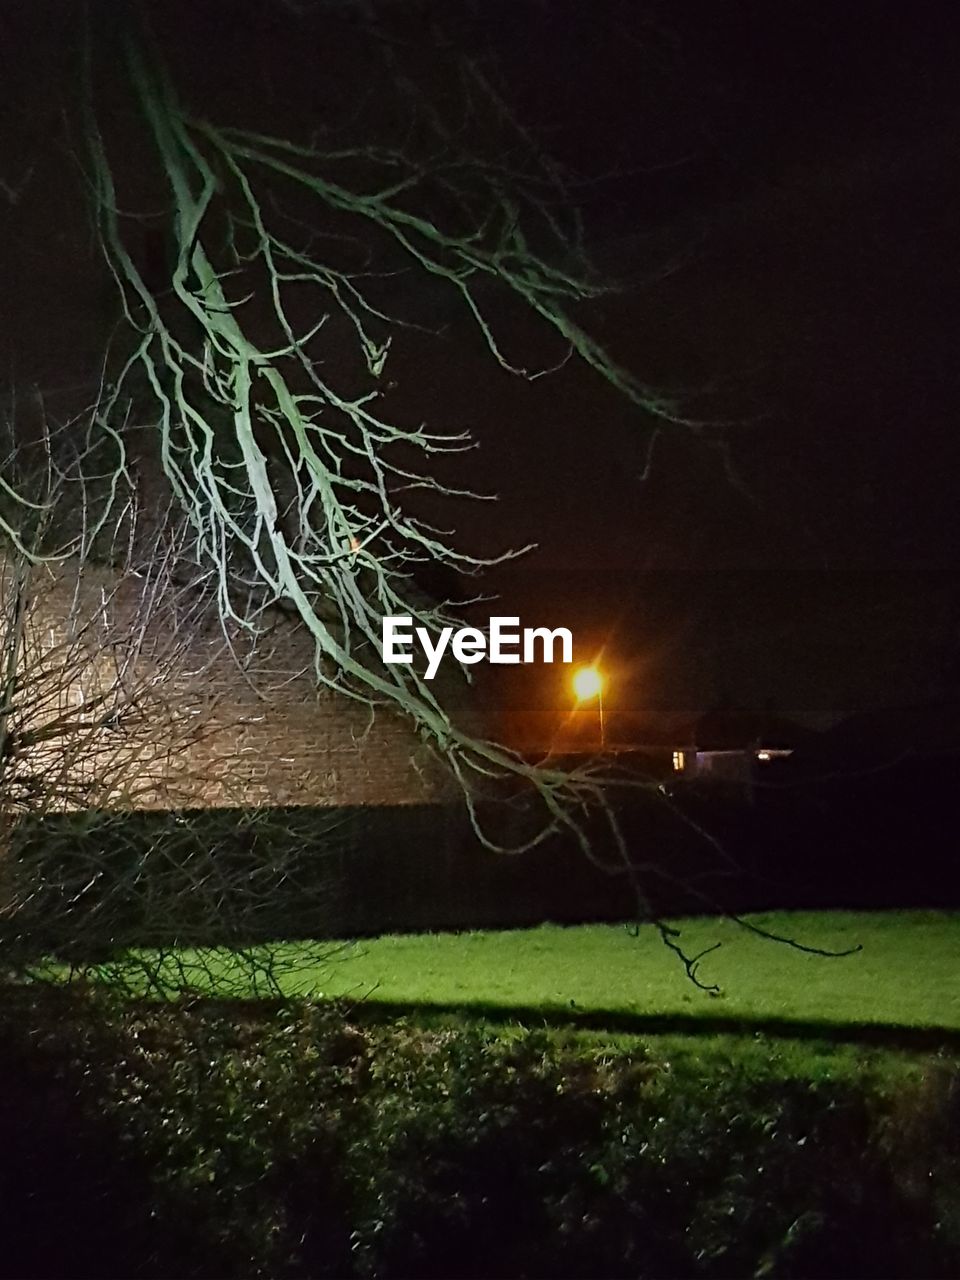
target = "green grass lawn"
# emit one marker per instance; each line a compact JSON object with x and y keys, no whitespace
{"x":905,"y":976}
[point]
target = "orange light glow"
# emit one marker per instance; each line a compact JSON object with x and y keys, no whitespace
{"x":587,"y":683}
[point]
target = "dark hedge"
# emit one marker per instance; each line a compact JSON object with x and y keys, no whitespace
{"x":293,"y":1141}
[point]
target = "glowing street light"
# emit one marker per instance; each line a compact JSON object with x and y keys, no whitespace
{"x":587,"y":684}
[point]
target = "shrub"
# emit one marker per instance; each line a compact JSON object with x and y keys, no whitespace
{"x":294,"y":1140}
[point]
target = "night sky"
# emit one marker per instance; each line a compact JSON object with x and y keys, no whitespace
{"x":777,"y":188}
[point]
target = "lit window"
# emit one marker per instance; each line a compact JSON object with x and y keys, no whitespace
{"x":678,"y":760}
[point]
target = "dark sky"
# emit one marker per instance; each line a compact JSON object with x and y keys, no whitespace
{"x":777,"y":184}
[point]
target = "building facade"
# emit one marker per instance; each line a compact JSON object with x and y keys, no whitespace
{"x":124,"y":690}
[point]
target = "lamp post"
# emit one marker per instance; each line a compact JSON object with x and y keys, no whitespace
{"x":587,"y":684}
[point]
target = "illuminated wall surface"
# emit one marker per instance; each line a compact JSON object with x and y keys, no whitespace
{"x":109,"y":712}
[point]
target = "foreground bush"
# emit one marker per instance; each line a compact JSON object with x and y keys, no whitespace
{"x":299,"y":1141}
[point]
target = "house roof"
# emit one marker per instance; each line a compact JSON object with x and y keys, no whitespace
{"x":737,"y":729}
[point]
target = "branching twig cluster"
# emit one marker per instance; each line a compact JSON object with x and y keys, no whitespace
{"x":289,"y":477}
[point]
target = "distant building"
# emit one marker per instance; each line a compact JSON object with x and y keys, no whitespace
{"x":734,"y":747}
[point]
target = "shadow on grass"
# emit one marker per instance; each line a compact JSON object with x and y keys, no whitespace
{"x":883,"y":1034}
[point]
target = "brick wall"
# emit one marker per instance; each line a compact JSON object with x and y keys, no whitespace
{"x":180,"y":718}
